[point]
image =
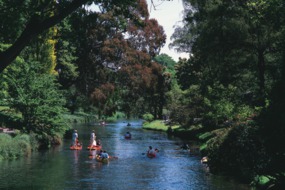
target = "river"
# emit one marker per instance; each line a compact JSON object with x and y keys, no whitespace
{"x":61,"y":168}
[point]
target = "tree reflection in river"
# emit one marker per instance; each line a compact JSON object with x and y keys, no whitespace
{"x":62,"y":168}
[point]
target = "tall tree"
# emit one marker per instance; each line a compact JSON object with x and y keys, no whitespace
{"x":115,"y":47}
{"x":39,"y":19}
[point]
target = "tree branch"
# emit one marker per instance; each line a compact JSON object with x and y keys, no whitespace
{"x":34,"y":28}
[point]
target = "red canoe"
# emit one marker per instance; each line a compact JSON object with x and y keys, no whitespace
{"x":128,"y":137}
{"x":151,"y":155}
{"x":76,"y":147}
{"x":97,"y":147}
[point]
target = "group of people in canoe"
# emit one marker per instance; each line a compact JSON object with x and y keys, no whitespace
{"x":151,"y":153}
{"x":93,"y":144}
{"x":102,"y":155}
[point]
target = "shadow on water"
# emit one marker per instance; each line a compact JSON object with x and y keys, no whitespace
{"x":61,"y":168}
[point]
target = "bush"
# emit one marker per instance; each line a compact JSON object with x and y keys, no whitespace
{"x":11,"y":148}
{"x":148,"y":117}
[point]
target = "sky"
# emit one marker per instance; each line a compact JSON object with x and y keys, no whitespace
{"x":168,"y":13}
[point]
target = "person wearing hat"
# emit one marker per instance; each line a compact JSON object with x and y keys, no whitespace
{"x":74,"y":137}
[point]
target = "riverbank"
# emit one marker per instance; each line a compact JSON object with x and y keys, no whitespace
{"x":176,"y":130}
{"x":191,"y":134}
{"x":16,"y":144}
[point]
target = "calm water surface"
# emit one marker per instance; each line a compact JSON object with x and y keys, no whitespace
{"x":61,"y":168}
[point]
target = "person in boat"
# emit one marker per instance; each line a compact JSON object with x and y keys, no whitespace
{"x":128,"y":135}
{"x":74,"y":138}
{"x":100,"y":153}
{"x":104,"y":155}
{"x":128,"y":124}
{"x":93,"y":138}
{"x":150,"y":150}
{"x":98,"y":142}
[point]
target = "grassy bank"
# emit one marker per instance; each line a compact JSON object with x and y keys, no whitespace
{"x":157,"y":125}
{"x":177,"y":130}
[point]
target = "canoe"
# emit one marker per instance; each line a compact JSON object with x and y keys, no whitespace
{"x":103,"y":160}
{"x":76,"y":147}
{"x":151,"y":155}
{"x":128,"y":137}
{"x":97,"y":147}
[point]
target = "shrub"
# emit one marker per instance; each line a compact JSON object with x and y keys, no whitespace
{"x":148,"y":117}
{"x":11,"y":148}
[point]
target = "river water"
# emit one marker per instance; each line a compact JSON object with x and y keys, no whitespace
{"x":61,"y":168}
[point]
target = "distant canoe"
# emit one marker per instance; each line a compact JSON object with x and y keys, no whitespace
{"x":128,"y":137}
{"x":96,"y":147}
{"x":151,"y":155}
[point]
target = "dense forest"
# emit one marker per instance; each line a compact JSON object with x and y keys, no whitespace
{"x":234,"y":83}
{"x":61,"y":57}
{"x":64,"y":56}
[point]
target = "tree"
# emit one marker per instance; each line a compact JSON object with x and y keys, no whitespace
{"x":237,"y":55}
{"x":113,"y":47}
{"x":41,"y":19}
{"x":166,"y":61}
{"x":37,"y":98}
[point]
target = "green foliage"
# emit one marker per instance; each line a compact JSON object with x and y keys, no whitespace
{"x":37,"y":98}
{"x":148,"y":117}
{"x":237,"y":62}
{"x":10,"y":119}
{"x":116,"y":116}
{"x":166,"y":61}
{"x":187,"y":105}
{"x":205,"y":136}
{"x":203,"y":148}
{"x":228,"y":148}
{"x":66,"y":55}
{"x":11,"y":148}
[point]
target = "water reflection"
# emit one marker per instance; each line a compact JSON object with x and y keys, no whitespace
{"x":61,"y":168}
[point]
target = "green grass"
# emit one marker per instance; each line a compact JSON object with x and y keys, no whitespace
{"x":157,"y":125}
